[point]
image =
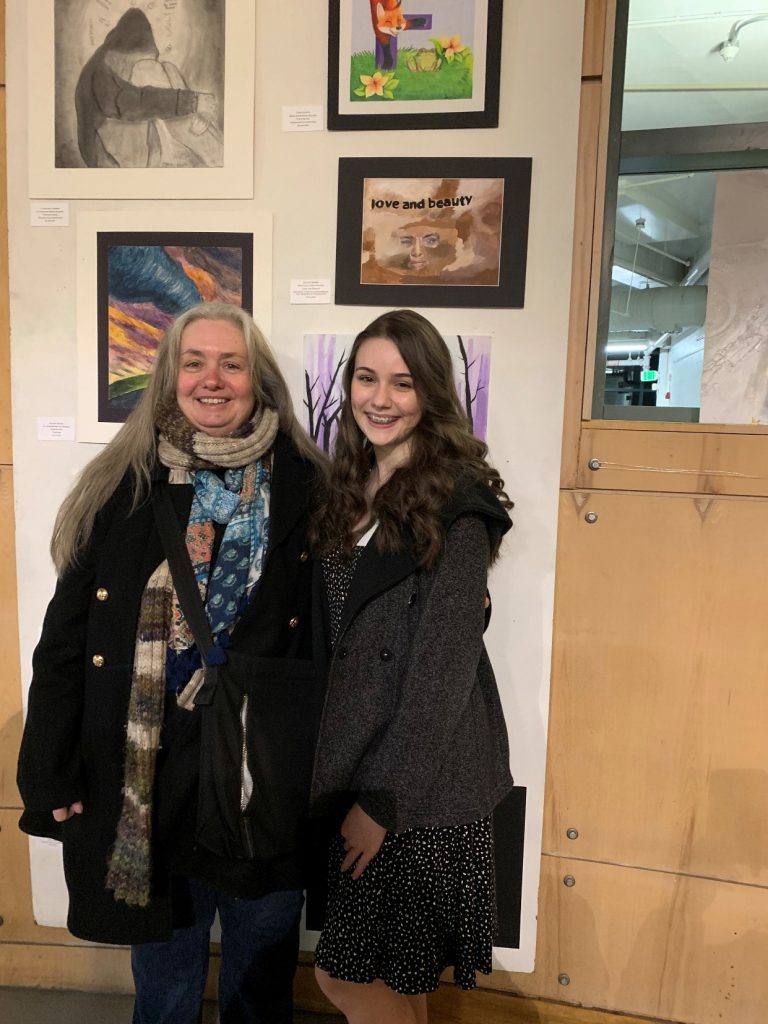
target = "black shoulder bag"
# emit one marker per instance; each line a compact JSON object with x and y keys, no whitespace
{"x":258,"y":723}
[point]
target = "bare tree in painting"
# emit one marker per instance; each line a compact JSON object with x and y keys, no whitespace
{"x":470,"y":396}
{"x":323,"y":405}
{"x":325,"y":355}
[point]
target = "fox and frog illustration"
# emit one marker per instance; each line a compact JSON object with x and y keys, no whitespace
{"x":389,"y":21}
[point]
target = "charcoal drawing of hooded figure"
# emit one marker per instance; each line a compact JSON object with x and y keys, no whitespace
{"x":135,"y":111}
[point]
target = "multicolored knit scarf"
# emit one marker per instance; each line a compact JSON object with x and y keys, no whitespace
{"x":184,"y":450}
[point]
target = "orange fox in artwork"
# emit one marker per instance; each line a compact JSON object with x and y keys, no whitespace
{"x":388,"y":18}
{"x":388,"y":22}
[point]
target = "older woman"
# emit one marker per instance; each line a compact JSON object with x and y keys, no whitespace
{"x":122,"y":757}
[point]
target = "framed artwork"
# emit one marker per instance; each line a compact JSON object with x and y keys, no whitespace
{"x":414,"y":64}
{"x":432,"y":231}
{"x":134,"y":99}
{"x":325,"y":356}
{"x":136,"y":273}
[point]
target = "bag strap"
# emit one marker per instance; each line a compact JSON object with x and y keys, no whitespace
{"x":182,"y":572}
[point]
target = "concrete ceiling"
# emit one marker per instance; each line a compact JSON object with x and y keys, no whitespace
{"x":674,"y":75}
{"x":662,"y":220}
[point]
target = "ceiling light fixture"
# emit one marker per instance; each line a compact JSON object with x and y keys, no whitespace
{"x":729,"y":47}
{"x":625,"y":346}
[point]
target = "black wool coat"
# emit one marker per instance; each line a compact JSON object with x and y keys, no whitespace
{"x":74,"y":735}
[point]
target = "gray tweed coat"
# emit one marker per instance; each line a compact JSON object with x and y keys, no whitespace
{"x":412,"y":726}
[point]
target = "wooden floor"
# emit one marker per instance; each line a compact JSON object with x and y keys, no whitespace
{"x":448,"y":1006}
{"x":57,"y":1006}
{"x":452,"y":1006}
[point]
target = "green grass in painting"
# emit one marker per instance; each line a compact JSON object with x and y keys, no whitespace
{"x":125,"y":385}
{"x":451,"y":81}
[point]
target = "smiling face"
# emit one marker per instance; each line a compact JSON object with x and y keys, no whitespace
{"x":384,"y":401}
{"x":213,"y":382}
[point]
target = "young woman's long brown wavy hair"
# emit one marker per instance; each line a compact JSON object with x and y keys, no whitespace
{"x":443,"y":451}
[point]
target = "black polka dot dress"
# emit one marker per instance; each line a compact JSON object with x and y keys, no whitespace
{"x":426,"y":900}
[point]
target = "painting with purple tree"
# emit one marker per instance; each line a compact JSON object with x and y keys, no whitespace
{"x":472,"y":375}
{"x":325,"y":356}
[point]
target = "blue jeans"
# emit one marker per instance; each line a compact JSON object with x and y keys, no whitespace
{"x":259,"y":950}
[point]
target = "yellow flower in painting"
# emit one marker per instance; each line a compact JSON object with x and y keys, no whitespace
{"x":451,"y":46}
{"x":374,"y":84}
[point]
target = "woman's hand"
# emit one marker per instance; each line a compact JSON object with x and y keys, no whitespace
{"x":65,"y":813}
{"x":362,"y":840}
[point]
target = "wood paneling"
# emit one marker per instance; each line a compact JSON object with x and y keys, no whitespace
{"x":581,"y":275}
{"x":5,"y":344}
{"x":10,"y":685}
{"x":660,"y":945}
{"x":660,"y":684}
{"x":594,"y":38}
{"x":588,"y":220}
{"x":89,"y":968}
{"x":587,"y":345}
{"x":693,"y":462}
{"x":2,"y":46}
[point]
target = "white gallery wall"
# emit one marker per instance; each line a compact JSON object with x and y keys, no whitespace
{"x":295,"y":176}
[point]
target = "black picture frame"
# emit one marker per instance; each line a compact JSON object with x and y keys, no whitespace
{"x":508,"y":176}
{"x":485,"y":117}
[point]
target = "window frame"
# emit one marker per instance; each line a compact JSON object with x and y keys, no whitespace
{"x":656,"y":151}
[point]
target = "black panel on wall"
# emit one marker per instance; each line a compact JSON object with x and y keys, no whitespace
{"x":509,"y":840}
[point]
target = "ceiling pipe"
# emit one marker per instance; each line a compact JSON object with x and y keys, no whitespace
{"x":644,"y":181}
{"x":699,"y":267}
{"x":662,"y":309}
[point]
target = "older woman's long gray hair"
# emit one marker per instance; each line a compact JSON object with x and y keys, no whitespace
{"x":132,"y":450}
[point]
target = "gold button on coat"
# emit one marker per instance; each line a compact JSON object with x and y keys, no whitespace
{"x":102,"y":594}
{"x":98,"y":660}
{"x":294,"y":622}
{"x":303,"y":556}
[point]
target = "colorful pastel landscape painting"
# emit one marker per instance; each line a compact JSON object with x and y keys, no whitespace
{"x":145,"y":280}
{"x":325,"y":356}
{"x":411,"y":50}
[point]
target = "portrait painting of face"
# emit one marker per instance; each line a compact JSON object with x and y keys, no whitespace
{"x":442,"y":231}
{"x":423,"y":248}
{"x":432,"y":231}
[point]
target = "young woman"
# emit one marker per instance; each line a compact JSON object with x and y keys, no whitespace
{"x":116,"y":742}
{"x":412,"y":741}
